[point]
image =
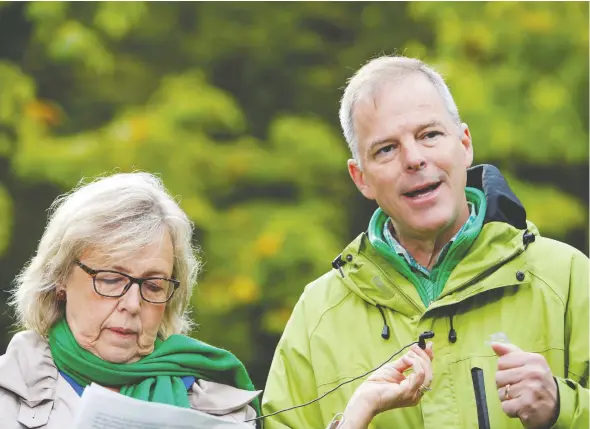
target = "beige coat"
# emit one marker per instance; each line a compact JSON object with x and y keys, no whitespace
{"x":34,"y":395}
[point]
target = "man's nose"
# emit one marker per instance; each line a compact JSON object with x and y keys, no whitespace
{"x":414,"y":159}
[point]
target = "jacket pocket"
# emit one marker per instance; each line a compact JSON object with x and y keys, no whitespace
{"x":34,"y":416}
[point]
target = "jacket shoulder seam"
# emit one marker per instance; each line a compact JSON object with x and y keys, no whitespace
{"x":334,"y":305}
{"x":537,"y":275}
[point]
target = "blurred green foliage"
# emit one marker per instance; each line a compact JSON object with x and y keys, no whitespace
{"x":235,"y":106}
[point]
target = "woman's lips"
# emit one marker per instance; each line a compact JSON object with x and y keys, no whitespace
{"x":123,"y":332}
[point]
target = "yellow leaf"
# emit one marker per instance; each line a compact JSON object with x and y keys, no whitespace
{"x":244,"y":290}
{"x":548,"y":95}
{"x":140,"y":128}
{"x":43,"y":112}
{"x":5,"y":218}
{"x":538,"y":21}
{"x":276,"y":319}
{"x":198,"y":209}
{"x":269,"y":244}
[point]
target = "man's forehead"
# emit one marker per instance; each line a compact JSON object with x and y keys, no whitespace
{"x":412,"y":91}
{"x":375,"y":124}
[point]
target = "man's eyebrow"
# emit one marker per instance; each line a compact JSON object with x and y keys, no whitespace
{"x":433,"y":123}
{"x":420,"y":127}
{"x":380,"y":142}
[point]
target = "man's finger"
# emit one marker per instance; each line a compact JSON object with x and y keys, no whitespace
{"x":417,"y":376}
{"x":420,"y":353}
{"x":511,"y":407}
{"x":389,"y":373}
{"x":502,"y":349}
{"x":510,"y":376}
{"x":515,"y":360}
{"x":429,"y":350}
{"x":425,"y":363}
{"x":402,"y":364}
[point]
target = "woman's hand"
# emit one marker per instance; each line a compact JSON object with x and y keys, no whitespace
{"x":388,"y":388}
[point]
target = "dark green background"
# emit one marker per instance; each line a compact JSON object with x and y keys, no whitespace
{"x":235,"y":105}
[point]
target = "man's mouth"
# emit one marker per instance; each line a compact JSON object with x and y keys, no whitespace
{"x":422,"y":190}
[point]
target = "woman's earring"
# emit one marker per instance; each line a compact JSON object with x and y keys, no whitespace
{"x":61,"y":295}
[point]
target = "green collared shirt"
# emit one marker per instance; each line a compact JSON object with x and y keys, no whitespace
{"x":429,"y":284}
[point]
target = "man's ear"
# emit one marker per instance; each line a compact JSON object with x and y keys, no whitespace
{"x":466,"y":142}
{"x":359,"y":179}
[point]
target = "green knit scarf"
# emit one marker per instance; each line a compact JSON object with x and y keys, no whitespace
{"x":156,"y":377}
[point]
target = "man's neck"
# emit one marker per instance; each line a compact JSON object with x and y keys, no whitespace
{"x":425,"y":250}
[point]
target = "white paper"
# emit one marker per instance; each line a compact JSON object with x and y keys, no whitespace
{"x":102,"y":408}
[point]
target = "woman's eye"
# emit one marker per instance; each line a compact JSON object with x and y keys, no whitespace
{"x":153,"y":286}
{"x":112,"y":280}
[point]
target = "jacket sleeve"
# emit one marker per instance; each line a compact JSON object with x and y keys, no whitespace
{"x":573,"y":390}
{"x":291,"y":379}
{"x":8,"y":411}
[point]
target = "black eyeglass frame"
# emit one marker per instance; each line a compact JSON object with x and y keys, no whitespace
{"x":132,"y":280}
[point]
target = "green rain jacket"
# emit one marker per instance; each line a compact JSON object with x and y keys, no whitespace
{"x":532,"y":289}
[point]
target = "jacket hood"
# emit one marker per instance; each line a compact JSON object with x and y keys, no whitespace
{"x":505,"y":234}
{"x":502,"y":204}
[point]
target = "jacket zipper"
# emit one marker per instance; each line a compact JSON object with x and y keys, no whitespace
{"x":396,"y":287}
{"x":479,"y":278}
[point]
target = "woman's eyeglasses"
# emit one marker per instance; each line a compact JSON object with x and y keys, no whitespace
{"x":114,"y":284}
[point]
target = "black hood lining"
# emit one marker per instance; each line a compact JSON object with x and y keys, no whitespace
{"x":502,"y":204}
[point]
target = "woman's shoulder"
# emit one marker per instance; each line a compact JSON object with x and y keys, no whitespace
{"x":27,"y":355}
{"x":27,"y":380}
{"x":27,"y":369}
{"x":222,"y":400}
{"x":26,"y":340}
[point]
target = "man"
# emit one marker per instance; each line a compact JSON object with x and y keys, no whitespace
{"x":448,"y":250}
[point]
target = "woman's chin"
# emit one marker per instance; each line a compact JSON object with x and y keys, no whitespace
{"x":115,"y":354}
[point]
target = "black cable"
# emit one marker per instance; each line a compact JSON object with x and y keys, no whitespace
{"x":335,"y":388}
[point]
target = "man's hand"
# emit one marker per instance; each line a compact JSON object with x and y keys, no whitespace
{"x":526,"y":387}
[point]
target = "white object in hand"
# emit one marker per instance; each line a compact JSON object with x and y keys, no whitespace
{"x":101,"y":408}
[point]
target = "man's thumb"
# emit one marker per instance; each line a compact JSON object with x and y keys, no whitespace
{"x":502,"y":349}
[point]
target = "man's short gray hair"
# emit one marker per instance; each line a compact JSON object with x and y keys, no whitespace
{"x":367,"y":81}
{"x":116,"y":215}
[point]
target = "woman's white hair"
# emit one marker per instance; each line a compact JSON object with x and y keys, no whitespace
{"x":370,"y":78}
{"x":116,"y":215}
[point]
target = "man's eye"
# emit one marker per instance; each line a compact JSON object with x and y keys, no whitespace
{"x":432,"y":134}
{"x":385,"y":149}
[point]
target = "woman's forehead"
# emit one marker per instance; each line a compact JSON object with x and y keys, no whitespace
{"x":158,"y":251}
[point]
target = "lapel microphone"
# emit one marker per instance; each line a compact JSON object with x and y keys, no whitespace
{"x":423,"y":337}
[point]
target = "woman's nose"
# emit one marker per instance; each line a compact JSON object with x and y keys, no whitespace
{"x":131,"y":301}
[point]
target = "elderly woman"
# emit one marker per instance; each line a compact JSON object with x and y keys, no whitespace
{"x":105,"y":300}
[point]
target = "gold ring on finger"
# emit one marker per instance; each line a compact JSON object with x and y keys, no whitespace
{"x":423,"y":389}
{"x":507,"y":396}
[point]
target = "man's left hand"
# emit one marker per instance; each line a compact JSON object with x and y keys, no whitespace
{"x":526,"y":386}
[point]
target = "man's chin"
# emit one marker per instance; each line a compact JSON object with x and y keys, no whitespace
{"x":428,"y":228}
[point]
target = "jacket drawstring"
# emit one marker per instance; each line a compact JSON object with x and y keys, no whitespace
{"x":452,"y":332}
{"x":385,"y":331}
{"x":338,"y":263}
{"x":527,"y":238}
